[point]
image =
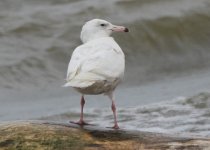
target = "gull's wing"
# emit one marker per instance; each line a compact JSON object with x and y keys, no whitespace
{"x":93,"y":62}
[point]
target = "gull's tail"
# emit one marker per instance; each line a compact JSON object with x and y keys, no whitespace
{"x":78,"y":84}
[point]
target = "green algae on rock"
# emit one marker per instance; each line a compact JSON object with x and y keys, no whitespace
{"x":40,"y":135}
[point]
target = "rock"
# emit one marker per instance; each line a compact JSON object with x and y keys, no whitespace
{"x":40,"y":135}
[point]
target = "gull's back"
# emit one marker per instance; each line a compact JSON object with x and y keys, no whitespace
{"x":96,"y":67}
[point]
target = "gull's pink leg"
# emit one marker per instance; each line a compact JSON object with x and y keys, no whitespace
{"x":81,"y":121}
{"x":115,"y":116}
{"x":114,"y":111}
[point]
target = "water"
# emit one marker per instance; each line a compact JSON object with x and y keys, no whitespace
{"x":167,"y":57}
{"x":181,"y":116}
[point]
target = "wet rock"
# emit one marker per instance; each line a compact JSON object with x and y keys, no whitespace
{"x":33,"y":135}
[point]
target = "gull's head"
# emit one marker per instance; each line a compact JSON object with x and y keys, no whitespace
{"x":97,"y":28}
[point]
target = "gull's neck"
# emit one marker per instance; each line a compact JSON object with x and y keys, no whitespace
{"x":85,"y":37}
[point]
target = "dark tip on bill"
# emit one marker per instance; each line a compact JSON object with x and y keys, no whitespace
{"x":126,"y":30}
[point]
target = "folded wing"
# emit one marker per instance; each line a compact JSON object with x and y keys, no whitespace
{"x":92,"y":63}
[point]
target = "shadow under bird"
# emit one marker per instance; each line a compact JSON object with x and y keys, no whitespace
{"x":97,"y":66}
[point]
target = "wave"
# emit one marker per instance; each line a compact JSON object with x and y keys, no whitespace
{"x":181,"y":116}
{"x":37,"y":39}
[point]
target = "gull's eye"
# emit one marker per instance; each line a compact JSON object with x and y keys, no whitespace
{"x":103,"y":24}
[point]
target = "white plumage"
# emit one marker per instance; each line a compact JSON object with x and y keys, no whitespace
{"x":97,"y":66}
{"x":100,"y":61}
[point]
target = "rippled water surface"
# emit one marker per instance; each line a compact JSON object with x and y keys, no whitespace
{"x":167,"y":57}
{"x":181,"y":116}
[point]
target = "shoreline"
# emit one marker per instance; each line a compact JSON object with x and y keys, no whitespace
{"x":29,"y":134}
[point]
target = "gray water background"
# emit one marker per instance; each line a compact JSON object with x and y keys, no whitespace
{"x":167,"y":62}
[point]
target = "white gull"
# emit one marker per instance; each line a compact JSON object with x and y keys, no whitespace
{"x":97,"y":66}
